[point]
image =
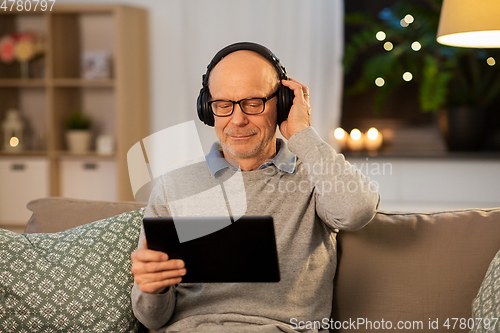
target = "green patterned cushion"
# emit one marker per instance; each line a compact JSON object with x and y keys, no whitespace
{"x":78,"y":280}
{"x":487,"y":303}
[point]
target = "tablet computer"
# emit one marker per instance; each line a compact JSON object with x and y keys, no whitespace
{"x":243,"y":251}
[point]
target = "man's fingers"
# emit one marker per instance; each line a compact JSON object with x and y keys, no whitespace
{"x":295,"y":86}
{"x":140,"y":267}
{"x":153,"y":271}
{"x":159,"y":286}
{"x":155,"y":283}
{"x":159,"y":276}
{"x":146,"y":255}
{"x":305,"y":89}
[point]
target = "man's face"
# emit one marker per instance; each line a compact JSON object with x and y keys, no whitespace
{"x":244,"y":74}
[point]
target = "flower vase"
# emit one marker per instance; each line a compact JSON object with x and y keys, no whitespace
{"x":25,"y":70}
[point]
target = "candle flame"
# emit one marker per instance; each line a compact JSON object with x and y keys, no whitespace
{"x":339,"y":133}
{"x":355,"y":134}
{"x":372,"y":133}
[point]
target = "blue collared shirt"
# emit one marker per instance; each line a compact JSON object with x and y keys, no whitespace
{"x":284,"y":160}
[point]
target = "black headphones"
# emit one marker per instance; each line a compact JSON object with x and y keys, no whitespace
{"x":285,"y":95}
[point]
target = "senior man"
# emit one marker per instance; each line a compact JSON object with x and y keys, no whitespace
{"x":246,"y":95}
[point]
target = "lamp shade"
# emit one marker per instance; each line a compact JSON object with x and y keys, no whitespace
{"x":470,"y":23}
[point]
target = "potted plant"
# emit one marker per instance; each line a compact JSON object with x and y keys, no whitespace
{"x":462,"y":83}
{"x":78,"y":133}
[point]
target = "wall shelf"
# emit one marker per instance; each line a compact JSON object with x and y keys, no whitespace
{"x":110,"y":83}
{"x":23,"y":83}
{"x":24,"y":153}
{"x":118,"y":106}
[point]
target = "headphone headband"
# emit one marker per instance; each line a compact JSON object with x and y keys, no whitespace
{"x":249,"y":46}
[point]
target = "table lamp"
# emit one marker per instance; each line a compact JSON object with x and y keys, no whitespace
{"x":13,"y":127}
{"x":470,"y":23}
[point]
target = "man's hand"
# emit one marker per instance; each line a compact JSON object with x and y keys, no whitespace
{"x":300,"y":113}
{"x":153,"y":271}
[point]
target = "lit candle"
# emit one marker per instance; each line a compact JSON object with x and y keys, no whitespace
{"x":373,"y":139}
{"x":340,"y":136}
{"x":355,"y":140}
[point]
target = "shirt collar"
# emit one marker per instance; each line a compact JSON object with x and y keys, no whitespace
{"x":284,"y":160}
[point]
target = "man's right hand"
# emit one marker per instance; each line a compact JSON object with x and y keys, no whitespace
{"x":154,"y":272}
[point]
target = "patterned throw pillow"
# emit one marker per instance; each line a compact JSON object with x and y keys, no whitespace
{"x":486,"y":305}
{"x":78,"y":280}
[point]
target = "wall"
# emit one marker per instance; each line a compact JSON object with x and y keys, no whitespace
{"x":425,"y":184}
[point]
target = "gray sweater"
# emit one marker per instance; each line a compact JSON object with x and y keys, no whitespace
{"x":321,"y":194}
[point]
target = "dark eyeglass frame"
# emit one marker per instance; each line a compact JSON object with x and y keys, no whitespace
{"x":264,"y":99}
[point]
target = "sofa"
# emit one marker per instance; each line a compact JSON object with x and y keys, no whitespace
{"x":70,"y":270}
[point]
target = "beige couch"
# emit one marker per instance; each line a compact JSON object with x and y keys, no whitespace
{"x":413,"y":269}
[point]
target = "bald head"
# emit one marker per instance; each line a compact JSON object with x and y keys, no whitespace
{"x":241,"y":71}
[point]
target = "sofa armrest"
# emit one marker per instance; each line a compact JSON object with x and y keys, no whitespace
{"x":59,"y":214}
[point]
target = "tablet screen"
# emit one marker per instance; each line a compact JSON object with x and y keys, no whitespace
{"x":244,"y":251}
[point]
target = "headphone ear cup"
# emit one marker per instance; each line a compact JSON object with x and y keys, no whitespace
{"x":204,"y":112}
{"x":285,"y":102}
{"x":199,"y":107}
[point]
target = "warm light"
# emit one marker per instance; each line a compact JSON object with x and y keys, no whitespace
{"x":408,"y":19}
{"x":407,"y":76}
{"x":416,"y":46}
{"x":14,"y":141}
{"x":379,"y":82}
{"x":403,"y":23}
{"x":340,"y":137}
{"x":355,"y":134}
{"x":339,"y":133}
{"x":372,"y":133}
{"x":355,"y":141}
{"x":491,"y":61}
{"x":374,"y":139}
{"x":380,"y":35}
{"x":480,"y":39}
{"x":469,"y":23}
{"x":388,"y":46}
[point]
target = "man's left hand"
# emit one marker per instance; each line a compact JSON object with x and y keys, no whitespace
{"x":300,"y":113}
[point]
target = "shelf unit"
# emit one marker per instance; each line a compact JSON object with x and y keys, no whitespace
{"x":118,"y":106}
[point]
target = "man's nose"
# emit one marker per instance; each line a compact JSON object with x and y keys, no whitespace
{"x":239,"y":118}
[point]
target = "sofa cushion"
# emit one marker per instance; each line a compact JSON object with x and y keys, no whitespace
{"x":414,"y":267}
{"x":78,"y":280}
{"x":487,"y":303}
{"x":59,"y":214}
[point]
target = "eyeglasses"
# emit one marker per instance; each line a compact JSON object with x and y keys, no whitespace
{"x":250,"y":106}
